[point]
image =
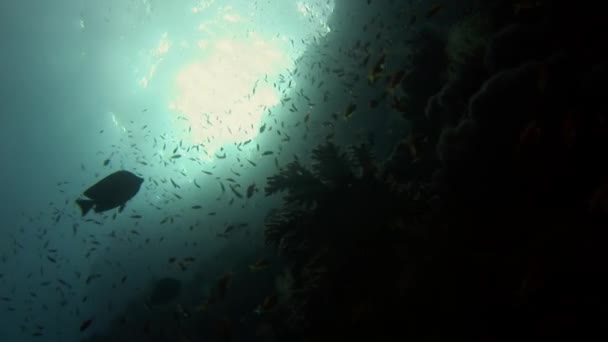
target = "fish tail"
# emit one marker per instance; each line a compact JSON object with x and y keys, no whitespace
{"x":85,"y":205}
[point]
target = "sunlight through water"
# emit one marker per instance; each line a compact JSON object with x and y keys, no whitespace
{"x":222,"y":94}
{"x":225,"y":95}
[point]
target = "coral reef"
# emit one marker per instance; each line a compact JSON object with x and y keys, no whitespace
{"x":336,"y":241}
{"x":486,"y":223}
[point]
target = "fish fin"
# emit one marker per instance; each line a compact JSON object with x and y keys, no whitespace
{"x":85,"y":205}
{"x":121,"y":208}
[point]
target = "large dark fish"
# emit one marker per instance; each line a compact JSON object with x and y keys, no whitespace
{"x":111,"y":192}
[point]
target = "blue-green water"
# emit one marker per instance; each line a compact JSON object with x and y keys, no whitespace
{"x":327,"y":170}
{"x":93,"y":87}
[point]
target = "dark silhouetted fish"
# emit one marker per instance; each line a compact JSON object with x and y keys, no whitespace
{"x":85,"y":324}
{"x":111,"y":192}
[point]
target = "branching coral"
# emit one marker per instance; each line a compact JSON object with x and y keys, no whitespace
{"x":363,"y":157}
{"x":357,"y":222}
{"x":331,"y":165}
{"x":301,"y":185}
{"x":331,"y":168}
{"x":284,"y":228}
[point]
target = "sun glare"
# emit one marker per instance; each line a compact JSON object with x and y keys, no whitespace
{"x":225,"y":94}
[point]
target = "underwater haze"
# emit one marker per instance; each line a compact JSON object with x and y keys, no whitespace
{"x":300,"y":170}
{"x":96,"y":87}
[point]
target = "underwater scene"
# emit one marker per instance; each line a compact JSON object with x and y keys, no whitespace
{"x":303,"y":170}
